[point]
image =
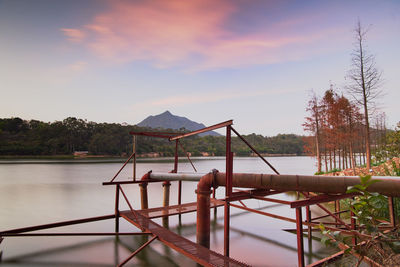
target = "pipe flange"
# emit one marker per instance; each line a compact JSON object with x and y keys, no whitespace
{"x":214,"y":181}
{"x":206,"y":192}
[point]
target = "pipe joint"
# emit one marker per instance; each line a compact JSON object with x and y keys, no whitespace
{"x":203,"y":192}
{"x":214,"y":183}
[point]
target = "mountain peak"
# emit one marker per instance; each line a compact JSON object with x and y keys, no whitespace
{"x":167,"y":120}
{"x":166,"y":113}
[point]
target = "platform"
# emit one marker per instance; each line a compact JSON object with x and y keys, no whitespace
{"x":196,"y":252}
{"x":176,"y":209}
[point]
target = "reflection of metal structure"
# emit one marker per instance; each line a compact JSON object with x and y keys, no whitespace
{"x":258,"y":186}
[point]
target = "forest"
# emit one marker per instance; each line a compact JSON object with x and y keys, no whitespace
{"x":37,"y":138}
{"x":339,"y":135}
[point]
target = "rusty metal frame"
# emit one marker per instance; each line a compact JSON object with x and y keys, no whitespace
{"x":206,"y":129}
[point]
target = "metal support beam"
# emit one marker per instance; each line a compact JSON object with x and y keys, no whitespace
{"x":207,"y":129}
{"x":117,"y":208}
{"x":134,"y":157}
{"x":300,"y":246}
{"x":254,"y":150}
{"x":228,"y":189}
{"x":57,"y":224}
{"x":392,"y":212}
{"x":137,"y":251}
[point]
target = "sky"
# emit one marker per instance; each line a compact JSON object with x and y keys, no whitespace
{"x":252,"y":61}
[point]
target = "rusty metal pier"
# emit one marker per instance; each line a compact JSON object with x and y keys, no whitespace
{"x":315,"y":190}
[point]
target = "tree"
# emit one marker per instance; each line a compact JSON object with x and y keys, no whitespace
{"x":313,"y":125}
{"x":365,"y":81}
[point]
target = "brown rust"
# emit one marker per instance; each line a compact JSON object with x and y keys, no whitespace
{"x":143,"y":191}
{"x":203,"y":210}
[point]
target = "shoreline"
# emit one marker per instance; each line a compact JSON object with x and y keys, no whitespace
{"x":110,"y":159}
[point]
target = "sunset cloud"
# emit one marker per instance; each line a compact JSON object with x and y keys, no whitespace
{"x":193,"y":35}
{"x":74,"y":35}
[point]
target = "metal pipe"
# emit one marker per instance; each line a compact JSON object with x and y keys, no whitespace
{"x":144,"y":203}
{"x":203,"y":210}
{"x":166,"y":186}
{"x":285,"y":182}
{"x":193,"y":177}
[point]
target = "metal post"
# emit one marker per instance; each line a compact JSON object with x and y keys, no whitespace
{"x":215,"y":208}
{"x":134,"y":157}
{"x":117,"y":208}
{"x":143,"y":196}
{"x":337,"y":211}
{"x":203,"y":217}
{"x":228,"y":189}
{"x":353,"y":227}
{"x":300,"y":246}
{"x":166,"y":186}
{"x":309,"y":219}
{"x":179,"y":182}
{"x":392,"y":213}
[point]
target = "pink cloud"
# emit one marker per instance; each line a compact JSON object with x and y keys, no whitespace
{"x":193,"y":35}
{"x":74,"y":35}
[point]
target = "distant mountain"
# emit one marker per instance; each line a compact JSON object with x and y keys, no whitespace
{"x":167,"y":120}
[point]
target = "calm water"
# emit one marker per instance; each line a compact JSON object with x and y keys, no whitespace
{"x":36,"y":192}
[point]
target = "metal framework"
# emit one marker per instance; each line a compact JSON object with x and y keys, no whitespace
{"x":270,"y":185}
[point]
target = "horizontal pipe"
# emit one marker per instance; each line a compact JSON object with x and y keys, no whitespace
{"x":193,"y":177}
{"x":285,"y":182}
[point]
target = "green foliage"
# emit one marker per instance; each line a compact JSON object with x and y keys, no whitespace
{"x":391,"y":148}
{"x":370,"y":211}
{"x":330,"y":171}
{"x":19,"y":137}
{"x":367,"y":207}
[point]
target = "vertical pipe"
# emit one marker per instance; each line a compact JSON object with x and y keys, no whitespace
{"x":392,"y":211}
{"x":228,"y":190}
{"x":203,"y":217}
{"x":166,"y":186}
{"x":203,"y":192}
{"x":300,"y":247}
{"x":117,"y":208}
{"x":143,"y":196}
{"x":134,"y":157}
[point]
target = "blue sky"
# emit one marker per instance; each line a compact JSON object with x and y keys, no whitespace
{"x":251,"y":61}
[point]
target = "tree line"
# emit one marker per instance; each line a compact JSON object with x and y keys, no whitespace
{"x":33,"y":137}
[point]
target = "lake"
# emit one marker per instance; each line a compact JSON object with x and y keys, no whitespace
{"x":34,"y":192}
